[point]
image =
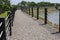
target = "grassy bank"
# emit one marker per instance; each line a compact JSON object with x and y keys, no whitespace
{"x":4,"y":14}
{"x":41,"y":11}
{"x":50,"y":23}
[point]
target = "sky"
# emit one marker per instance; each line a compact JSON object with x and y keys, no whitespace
{"x":17,"y":1}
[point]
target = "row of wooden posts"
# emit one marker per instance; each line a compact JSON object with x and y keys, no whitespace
{"x":45,"y":14}
{"x":6,"y":25}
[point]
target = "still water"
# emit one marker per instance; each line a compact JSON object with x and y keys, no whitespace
{"x":52,"y":17}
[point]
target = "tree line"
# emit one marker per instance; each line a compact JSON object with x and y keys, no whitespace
{"x":41,"y":4}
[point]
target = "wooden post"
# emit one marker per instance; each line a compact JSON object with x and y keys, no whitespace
{"x":45,"y":15}
{"x":4,"y":29}
{"x":59,"y":20}
{"x":10,"y":24}
{"x":37,"y":13}
{"x":29,"y":10}
{"x":32,"y":12}
{"x":3,"y":37}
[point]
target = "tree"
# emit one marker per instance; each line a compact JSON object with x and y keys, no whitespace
{"x":23,"y":3}
{"x":31,"y":4}
{"x":4,"y":5}
{"x":45,"y":4}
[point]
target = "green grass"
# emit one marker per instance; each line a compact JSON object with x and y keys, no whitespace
{"x":4,"y":15}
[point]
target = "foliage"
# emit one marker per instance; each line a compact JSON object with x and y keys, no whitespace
{"x":31,"y":4}
{"x":41,"y":4}
{"x":45,"y":4}
{"x":23,"y":3}
{"x":4,"y":5}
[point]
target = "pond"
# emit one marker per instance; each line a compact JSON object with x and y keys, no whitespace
{"x":52,"y":17}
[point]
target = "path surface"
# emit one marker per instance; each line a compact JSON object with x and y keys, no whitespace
{"x":26,"y":28}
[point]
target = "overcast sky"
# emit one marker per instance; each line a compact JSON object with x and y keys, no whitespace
{"x":17,"y":1}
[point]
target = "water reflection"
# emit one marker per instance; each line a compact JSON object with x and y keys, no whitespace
{"x":52,"y":17}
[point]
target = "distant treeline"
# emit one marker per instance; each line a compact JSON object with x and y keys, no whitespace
{"x":41,"y":4}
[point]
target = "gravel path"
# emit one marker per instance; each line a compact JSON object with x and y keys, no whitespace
{"x":26,"y":28}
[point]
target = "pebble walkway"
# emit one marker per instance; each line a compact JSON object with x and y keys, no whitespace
{"x":26,"y":28}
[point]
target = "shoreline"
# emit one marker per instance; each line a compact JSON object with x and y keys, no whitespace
{"x":50,"y":9}
{"x":50,"y":23}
